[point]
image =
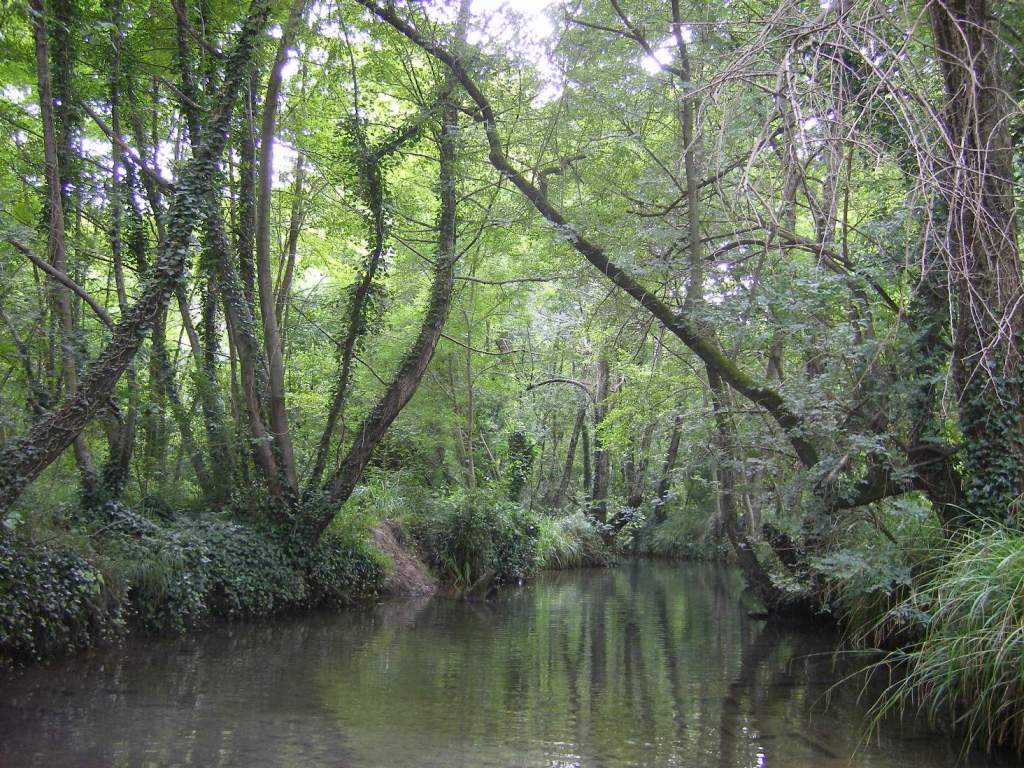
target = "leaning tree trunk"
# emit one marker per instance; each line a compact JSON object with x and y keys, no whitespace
{"x":372,"y":187}
{"x":23,"y":459}
{"x":983,"y":255}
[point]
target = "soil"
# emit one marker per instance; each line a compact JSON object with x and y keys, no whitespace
{"x":409,"y":577}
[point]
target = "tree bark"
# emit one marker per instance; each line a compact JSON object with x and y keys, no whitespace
{"x":56,"y":242}
{"x":759,"y":393}
{"x":273,"y":346}
{"x":982,"y":251}
{"x":661,"y":497}
{"x":602,"y":461}
{"x":570,"y":457}
{"x":403,"y":386}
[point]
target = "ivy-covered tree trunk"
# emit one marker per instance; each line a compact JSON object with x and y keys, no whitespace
{"x":56,"y":147}
{"x":520,"y":458}
{"x":981,"y":248}
{"x":671,"y":453}
{"x":602,"y":461}
{"x":570,"y":457}
{"x":272,"y":341}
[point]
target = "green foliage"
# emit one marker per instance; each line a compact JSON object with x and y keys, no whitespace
{"x":118,"y":569}
{"x":468,"y":536}
{"x":864,"y":580}
{"x":862,"y":588}
{"x":968,"y":668}
{"x":993,"y":468}
{"x":180,"y":576}
{"x":51,"y":601}
{"x":685,"y":533}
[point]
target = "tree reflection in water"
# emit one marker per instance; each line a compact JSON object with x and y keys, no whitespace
{"x":648,"y":664}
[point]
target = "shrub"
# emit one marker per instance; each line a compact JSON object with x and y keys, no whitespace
{"x":472,"y":535}
{"x":246,"y":572}
{"x":51,"y":601}
{"x":863,"y":587}
{"x":177,"y":577}
{"x":684,"y":533}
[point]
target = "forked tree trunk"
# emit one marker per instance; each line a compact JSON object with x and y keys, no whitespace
{"x":403,"y":386}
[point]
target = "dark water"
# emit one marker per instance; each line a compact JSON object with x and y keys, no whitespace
{"x":644,"y":665}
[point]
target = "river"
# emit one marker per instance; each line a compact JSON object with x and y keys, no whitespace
{"x":647,"y":664}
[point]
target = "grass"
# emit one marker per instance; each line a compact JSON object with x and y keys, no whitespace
{"x":967,"y":671}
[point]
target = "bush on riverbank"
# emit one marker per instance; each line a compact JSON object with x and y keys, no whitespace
{"x":467,"y":537}
{"x":481,"y":535}
{"x":346,"y":568}
{"x":571,"y":542}
{"x":181,"y":575}
{"x":112,"y":568}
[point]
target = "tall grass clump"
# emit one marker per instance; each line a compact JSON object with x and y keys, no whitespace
{"x":968,"y":670}
{"x":572,"y":541}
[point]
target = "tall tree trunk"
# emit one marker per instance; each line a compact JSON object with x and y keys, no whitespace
{"x":205,"y":349}
{"x":56,"y":243}
{"x":372,"y":188}
{"x":680,"y":325}
{"x":122,"y":433}
{"x":273,"y":347}
{"x":588,"y":473}
{"x":661,"y":497}
{"x":602,"y":461}
{"x":570,"y":457}
{"x":753,"y":571}
{"x":983,"y":255}
{"x":403,"y":386}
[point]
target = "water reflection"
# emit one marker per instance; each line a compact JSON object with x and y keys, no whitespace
{"x":645,"y":665}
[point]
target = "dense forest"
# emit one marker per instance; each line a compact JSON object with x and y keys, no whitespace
{"x":523,"y":286}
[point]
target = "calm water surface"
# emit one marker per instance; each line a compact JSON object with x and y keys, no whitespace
{"x":648,"y":664}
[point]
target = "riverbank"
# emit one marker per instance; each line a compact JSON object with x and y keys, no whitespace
{"x":99,"y":576}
